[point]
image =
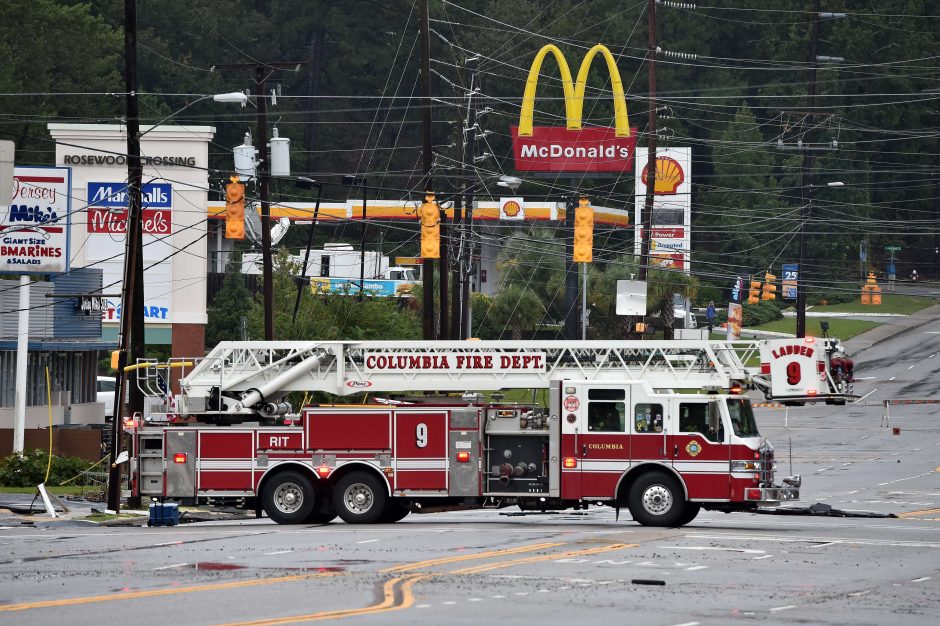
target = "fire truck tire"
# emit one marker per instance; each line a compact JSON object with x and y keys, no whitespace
{"x":395,"y":511}
{"x":691,"y":511}
{"x":359,"y":498}
{"x":656,"y":499}
{"x":320,"y":518}
{"x":289,"y":498}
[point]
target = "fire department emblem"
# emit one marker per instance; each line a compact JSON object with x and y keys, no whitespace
{"x":571,"y":403}
{"x":693,"y":448}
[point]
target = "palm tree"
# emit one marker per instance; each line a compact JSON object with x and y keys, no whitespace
{"x":518,"y":308}
{"x":662,"y":285}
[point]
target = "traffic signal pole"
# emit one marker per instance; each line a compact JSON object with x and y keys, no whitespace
{"x":427,"y":265}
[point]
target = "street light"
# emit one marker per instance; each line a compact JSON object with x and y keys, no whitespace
{"x":362,"y":183}
{"x":131,"y":338}
{"x":801,"y":269}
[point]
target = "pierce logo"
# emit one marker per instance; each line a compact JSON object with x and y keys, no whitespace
{"x":358,"y":384}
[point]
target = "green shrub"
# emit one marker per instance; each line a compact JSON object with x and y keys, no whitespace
{"x":761,"y":313}
{"x":29,"y":469}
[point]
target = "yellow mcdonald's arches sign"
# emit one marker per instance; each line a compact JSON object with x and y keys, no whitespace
{"x":574,"y":148}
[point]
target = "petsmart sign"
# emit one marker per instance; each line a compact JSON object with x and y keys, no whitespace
{"x":108,"y":208}
{"x":34,"y":229}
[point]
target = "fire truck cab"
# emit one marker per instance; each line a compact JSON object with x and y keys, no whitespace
{"x":598,"y":438}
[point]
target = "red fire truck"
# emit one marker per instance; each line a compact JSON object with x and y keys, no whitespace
{"x":659,"y":428}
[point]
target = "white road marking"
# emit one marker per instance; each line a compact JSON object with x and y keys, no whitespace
{"x":766,"y":556}
{"x":278,"y":552}
{"x":846,"y":540}
{"x":921,"y":579}
{"x":910,"y":367}
{"x":861,"y":593}
{"x":422,"y":606}
{"x":866,"y":395}
{"x":865,"y":377}
{"x":170,"y":566}
{"x":498,"y":597}
{"x":696,"y":568}
{"x":522,"y":593}
{"x":744,"y":550}
{"x":851,"y":492}
{"x":687,"y":624}
{"x":782,"y":608}
{"x":545,"y":590}
{"x":823,"y":545}
{"x":474,"y":599}
{"x":449,"y":602}
{"x":368,"y":541}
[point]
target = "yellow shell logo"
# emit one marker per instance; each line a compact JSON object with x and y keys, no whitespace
{"x":511,"y":208}
{"x":669,"y":175}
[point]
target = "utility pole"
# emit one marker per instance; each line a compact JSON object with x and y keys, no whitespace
{"x":805,"y":198}
{"x":647,"y":221}
{"x":572,"y":331}
{"x":461,"y":317}
{"x":427,"y":265}
{"x":262,"y":71}
{"x":132,"y":298}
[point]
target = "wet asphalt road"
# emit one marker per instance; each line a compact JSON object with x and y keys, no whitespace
{"x":572,"y":567}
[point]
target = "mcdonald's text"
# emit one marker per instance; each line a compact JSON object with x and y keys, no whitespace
{"x":558,"y":149}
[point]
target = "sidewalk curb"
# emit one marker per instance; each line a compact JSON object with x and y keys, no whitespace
{"x":858,"y":344}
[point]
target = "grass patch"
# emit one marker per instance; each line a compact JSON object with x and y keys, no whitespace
{"x":838,"y":327}
{"x":107,"y":517}
{"x":67,"y":490}
{"x":890,"y":303}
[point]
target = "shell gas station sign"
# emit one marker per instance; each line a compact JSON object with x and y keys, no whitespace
{"x":573,"y":148}
{"x":672,"y":208}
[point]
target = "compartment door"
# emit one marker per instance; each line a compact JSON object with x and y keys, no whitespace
{"x":421,"y":444}
{"x":181,"y":463}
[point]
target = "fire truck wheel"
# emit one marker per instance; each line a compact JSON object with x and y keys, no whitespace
{"x":359,"y":498}
{"x":395,"y":511}
{"x":320,"y":518}
{"x":691,"y":511}
{"x":289,"y":498}
{"x":656,"y":500}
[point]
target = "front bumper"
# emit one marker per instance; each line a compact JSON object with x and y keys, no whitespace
{"x":775,"y":494}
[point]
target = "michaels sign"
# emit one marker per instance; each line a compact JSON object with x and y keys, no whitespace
{"x":114,"y":195}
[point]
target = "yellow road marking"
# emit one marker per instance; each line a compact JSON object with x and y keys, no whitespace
{"x":387,"y":604}
{"x":919,"y":513}
{"x":547,"y":557}
{"x":161,"y":592}
{"x":467,"y":557}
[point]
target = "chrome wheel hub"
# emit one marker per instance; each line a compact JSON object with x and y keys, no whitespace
{"x":358,"y":498}
{"x":657,"y":500}
{"x":288,"y":498}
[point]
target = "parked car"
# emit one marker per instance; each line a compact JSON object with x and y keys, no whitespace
{"x":106,"y":386}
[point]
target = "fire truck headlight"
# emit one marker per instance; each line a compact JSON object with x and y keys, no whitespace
{"x":743,"y":466}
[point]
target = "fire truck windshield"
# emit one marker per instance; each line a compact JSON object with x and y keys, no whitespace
{"x":742,"y":418}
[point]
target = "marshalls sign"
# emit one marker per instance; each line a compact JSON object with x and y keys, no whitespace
{"x":34,"y":228}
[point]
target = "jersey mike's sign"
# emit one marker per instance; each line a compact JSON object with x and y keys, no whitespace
{"x":34,"y":229}
{"x":573,"y":148}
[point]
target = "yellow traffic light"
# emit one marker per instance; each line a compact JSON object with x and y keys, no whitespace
{"x":235,"y":209}
{"x":430,"y":215}
{"x":769,"y":287}
{"x":753,"y":294}
{"x":583,"y":232}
